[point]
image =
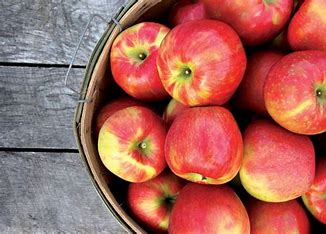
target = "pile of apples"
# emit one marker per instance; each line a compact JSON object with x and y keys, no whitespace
{"x":240,"y":139}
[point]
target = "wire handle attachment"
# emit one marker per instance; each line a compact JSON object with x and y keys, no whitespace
{"x":112,"y":19}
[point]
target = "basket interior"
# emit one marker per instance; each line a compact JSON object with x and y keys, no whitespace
{"x":100,"y":90}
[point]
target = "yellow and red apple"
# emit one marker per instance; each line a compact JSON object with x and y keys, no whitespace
{"x":187,"y":10}
{"x":256,"y":22}
{"x":295,"y":92}
{"x":201,"y":62}
{"x":133,"y":61}
{"x":307,"y":29}
{"x":277,"y":217}
{"x":208,"y":209}
{"x":315,"y":198}
{"x":113,"y":106}
{"x":131,"y":144}
{"x":278,"y":165}
{"x":151,"y":202}
{"x":204,"y":145}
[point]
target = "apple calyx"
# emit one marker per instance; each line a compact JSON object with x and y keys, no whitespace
{"x":142,"y":56}
{"x":185,"y":73}
{"x":169,"y":200}
{"x":320,"y":92}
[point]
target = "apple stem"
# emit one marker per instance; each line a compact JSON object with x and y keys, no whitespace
{"x":187,"y":71}
{"x":142,"y":56}
{"x":142,"y":145}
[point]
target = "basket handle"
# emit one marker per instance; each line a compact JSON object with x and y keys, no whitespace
{"x":92,"y":17}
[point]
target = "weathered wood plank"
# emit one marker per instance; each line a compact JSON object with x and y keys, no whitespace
{"x":38,"y":31}
{"x":36,"y":110}
{"x":50,"y":193}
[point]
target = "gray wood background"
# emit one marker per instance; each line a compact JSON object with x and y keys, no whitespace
{"x":44,"y":187}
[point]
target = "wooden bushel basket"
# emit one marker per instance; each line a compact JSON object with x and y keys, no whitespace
{"x":97,"y":87}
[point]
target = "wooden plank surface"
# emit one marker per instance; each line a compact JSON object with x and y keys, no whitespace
{"x":50,"y":193}
{"x":45,"y":31}
{"x":36,"y":110}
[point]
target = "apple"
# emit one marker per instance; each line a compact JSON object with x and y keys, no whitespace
{"x":201,"y":62}
{"x":133,"y":61}
{"x":204,"y":145}
{"x":295,"y":92}
{"x":279,"y":217}
{"x":278,"y":165}
{"x":131,"y":144}
{"x":171,"y":111}
{"x":307,"y":29}
{"x":250,"y":94}
{"x":208,"y":209}
{"x":256,"y":22}
{"x":315,"y":198}
{"x":185,"y":11}
{"x":151,"y":202}
{"x":111,"y":107}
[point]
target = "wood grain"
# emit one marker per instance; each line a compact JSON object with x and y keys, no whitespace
{"x":36,"y":109}
{"x":50,"y":193}
{"x":47,"y":31}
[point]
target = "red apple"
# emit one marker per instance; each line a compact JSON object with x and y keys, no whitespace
{"x":201,"y":62}
{"x":113,"y":106}
{"x":187,"y":10}
{"x":171,"y":111}
{"x":315,"y":198}
{"x":131,"y":144}
{"x":204,"y":145}
{"x":133,"y":61}
{"x":278,"y":165}
{"x":208,"y":209}
{"x":295,"y":92}
{"x":151,"y":202}
{"x":307,"y":29}
{"x":275,"y":218}
{"x":250,"y":94}
{"x":255,"y":21}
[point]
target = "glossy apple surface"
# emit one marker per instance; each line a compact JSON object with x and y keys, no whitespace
{"x":295,"y":92}
{"x":208,"y":209}
{"x":279,"y":217}
{"x":204,"y":145}
{"x":201,"y":62}
{"x":315,"y":197}
{"x":187,"y":10}
{"x":307,"y":29}
{"x":278,"y":165}
{"x":250,"y":95}
{"x":133,"y":61}
{"x":131,"y":144}
{"x":255,"y":21}
{"x":151,"y":202}
{"x":113,"y":106}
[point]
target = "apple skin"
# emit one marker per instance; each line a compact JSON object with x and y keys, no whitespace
{"x":279,"y":217}
{"x":201,"y":62}
{"x":256,"y":22}
{"x":250,"y":95}
{"x":187,"y":10}
{"x":133,"y":61}
{"x":307,"y":29}
{"x":278,"y":165}
{"x":295,"y":92}
{"x":208,"y":209}
{"x":113,"y":106}
{"x":151,"y":202}
{"x":204,"y":145}
{"x":131,"y":144}
{"x":315,"y":198}
{"x":171,"y":111}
